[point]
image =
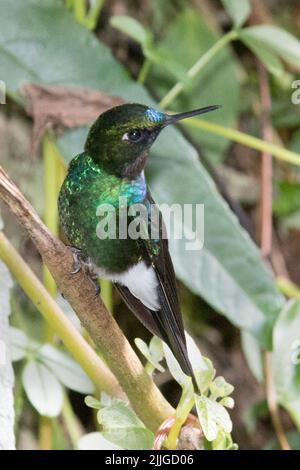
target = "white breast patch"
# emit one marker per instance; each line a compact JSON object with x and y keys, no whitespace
{"x":142,"y":282}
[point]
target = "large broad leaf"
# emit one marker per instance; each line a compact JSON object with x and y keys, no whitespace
{"x":40,"y":41}
{"x":286,"y":359}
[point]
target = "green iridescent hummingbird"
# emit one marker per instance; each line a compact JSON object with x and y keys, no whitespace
{"x":111,"y":167}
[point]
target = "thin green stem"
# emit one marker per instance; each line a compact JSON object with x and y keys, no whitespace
{"x":50,"y":158}
{"x":288,"y":288}
{"x":144,"y":71}
{"x":245,"y":139}
{"x":80,"y":10}
{"x":107,"y":294}
{"x":198,"y":67}
{"x":149,"y":368}
{"x":72,"y":423}
{"x":182,"y":411}
{"x":50,"y":168}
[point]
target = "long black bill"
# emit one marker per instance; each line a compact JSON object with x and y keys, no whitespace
{"x":171,"y":118}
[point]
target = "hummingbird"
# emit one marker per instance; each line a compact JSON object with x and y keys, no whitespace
{"x":112,"y":166}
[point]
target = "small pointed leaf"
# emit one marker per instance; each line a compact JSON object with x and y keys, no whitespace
{"x":42,"y":389}
{"x":131,"y":27}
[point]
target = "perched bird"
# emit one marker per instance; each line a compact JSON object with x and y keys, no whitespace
{"x":111,"y":167}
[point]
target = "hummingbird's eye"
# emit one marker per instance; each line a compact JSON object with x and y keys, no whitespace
{"x":133,"y":136}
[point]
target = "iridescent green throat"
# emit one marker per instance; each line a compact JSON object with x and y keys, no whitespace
{"x":86,"y":187}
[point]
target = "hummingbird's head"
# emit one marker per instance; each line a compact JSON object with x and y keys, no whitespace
{"x":120,"y":138}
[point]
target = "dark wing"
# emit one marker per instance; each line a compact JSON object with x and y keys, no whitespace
{"x":166,"y":322}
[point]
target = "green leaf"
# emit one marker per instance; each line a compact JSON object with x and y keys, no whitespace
{"x":224,"y":441}
{"x":286,"y":359}
{"x":255,"y":412}
{"x":212,"y":417}
{"x":153,"y":355}
{"x":144,"y":37}
{"x":131,"y":27}
{"x":239,"y":10}
{"x":66,"y":369}
{"x":42,"y":389}
{"x":95,"y":441}
{"x":228,"y":402}
{"x":202,"y":367}
{"x":45,"y":28}
{"x":219,"y":388}
{"x":287,"y":198}
{"x":92,"y":402}
{"x":121,"y":426}
{"x":267,"y":56}
{"x":156,"y":349}
{"x":228,"y":272}
{"x":278,"y":40}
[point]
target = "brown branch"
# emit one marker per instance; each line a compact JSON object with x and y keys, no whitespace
{"x":144,"y":396}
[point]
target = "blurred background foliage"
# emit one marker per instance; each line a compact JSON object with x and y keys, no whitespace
{"x":233,"y":300}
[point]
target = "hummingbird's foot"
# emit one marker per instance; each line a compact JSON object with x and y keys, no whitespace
{"x":77,"y":259}
{"x":85,"y":263}
{"x":97,"y":288}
